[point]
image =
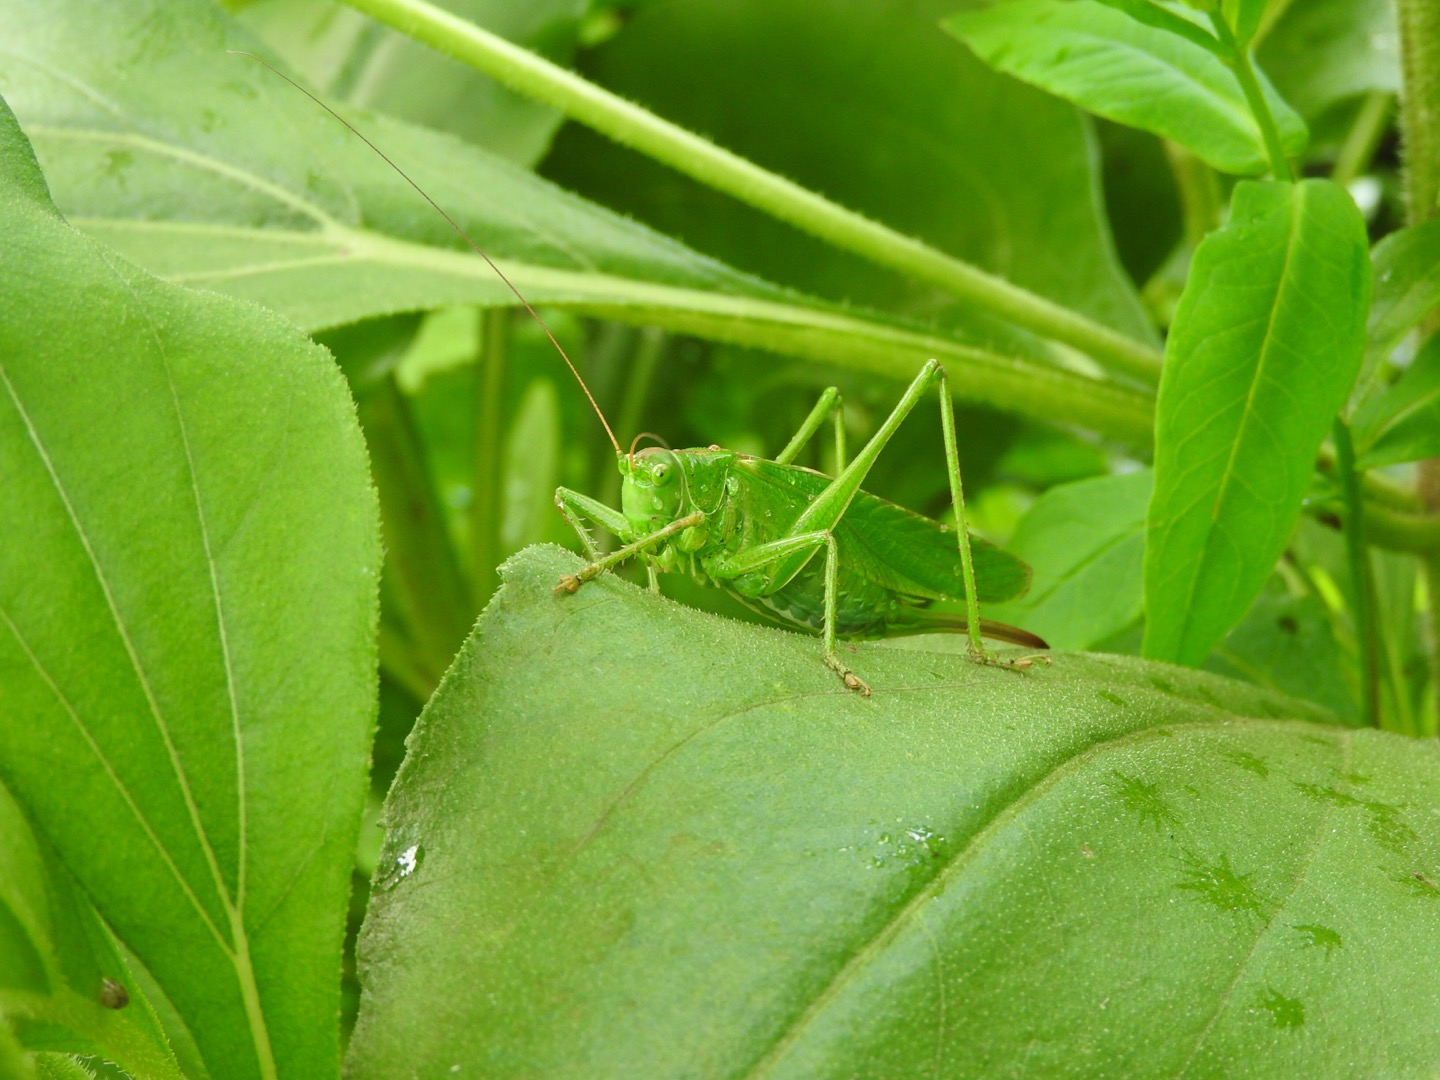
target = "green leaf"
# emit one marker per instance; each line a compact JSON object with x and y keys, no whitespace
{"x":1264,"y":348}
{"x":1407,"y":286}
{"x":63,"y":984}
{"x":635,"y":840}
{"x":1083,"y":541}
{"x":1320,"y":52}
{"x":282,"y":207}
{"x":1287,"y":644}
{"x":1403,"y":423}
{"x":890,"y":102}
{"x":188,"y":554}
{"x":1129,"y":72}
{"x":1244,"y":18}
{"x":348,"y":58}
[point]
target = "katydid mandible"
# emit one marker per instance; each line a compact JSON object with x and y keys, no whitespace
{"x":811,"y":552}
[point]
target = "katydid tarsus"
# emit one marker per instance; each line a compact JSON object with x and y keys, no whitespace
{"x":811,"y":551}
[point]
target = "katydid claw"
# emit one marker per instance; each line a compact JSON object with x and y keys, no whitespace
{"x":568,"y":584}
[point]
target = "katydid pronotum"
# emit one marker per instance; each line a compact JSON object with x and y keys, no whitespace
{"x":810,"y":551}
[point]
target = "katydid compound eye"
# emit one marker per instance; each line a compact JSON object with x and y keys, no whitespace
{"x":662,"y":474}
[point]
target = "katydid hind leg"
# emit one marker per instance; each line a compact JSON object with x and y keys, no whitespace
{"x":828,"y":407}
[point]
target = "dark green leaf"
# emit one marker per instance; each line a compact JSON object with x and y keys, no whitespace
{"x":1403,"y":423}
{"x":351,"y":59}
{"x":1085,"y":543}
{"x":635,"y":840}
{"x":1129,"y":72}
{"x":1320,"y":52}
{"x":872,"y":118}
{"x":188,"y":553}
{"x":1265,"y":346}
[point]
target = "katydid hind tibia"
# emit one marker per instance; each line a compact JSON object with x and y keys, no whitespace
{"x":812,"y":552}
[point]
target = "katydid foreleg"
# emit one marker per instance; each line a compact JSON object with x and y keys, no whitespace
{"x":571,"y":582}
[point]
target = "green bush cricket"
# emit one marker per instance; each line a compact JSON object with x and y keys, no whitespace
{"x":812,"y":552}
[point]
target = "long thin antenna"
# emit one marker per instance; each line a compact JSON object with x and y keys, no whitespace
{"x":458,"y":230}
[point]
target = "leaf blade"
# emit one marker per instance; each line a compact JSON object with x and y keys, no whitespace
{"x":1265,"y":345}
{"x":1129,"y":72}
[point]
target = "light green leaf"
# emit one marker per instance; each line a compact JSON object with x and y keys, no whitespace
{"x":1287,"y":644}
{"x":1085,"y":543}
{"x":635,"y":840}
{"x":188,"y":554}
{"x":1244,"y":18}
{"x":1403,"y":423}
{"x":1264,"y":348}
{"x":1129,"y":72}
{"x":282,"y":207}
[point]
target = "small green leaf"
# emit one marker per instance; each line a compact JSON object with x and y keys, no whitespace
{"x":1129,"y":72}
{"x":1407,"y":285}
{"x":188,"y":558}
{"x":1265,"y":345}
{"x":631,"y":839}
{"x":1403,"y":423}
{"x":1244,"y":18}
{"x":1083,"y":541}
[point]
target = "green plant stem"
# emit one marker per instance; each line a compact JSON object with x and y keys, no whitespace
{"x":1362,"y":582}
{"x":1363,"y":137}
{"x":1201,"y":204}
{"x":641,"y":130}
{"x":487,"y":503}
{"x":1419,"y":23}
{"x":429,"y":589}
{"x":1244,"y":70}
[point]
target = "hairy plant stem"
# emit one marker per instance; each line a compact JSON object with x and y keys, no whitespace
{"x":1419,"y":23}
{"x":641,"y":130}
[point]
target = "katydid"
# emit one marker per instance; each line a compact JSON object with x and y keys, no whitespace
{"x":811,"y":552}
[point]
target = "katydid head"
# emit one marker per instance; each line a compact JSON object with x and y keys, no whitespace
{"x":654,"y":491}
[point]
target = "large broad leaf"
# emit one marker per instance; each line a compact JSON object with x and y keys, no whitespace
{"x":208,"y":170}
{"x":1264,"y":348}
{"x":188,"y":556}
{"x":1129,"y":72}
{"x":634,"y":840}
{"x":882,"y":116}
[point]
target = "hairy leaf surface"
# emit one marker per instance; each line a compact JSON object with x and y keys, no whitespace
{"x":188,"y":558}
{"x":635,"y":840}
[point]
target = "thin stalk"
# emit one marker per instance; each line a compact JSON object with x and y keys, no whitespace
{"x":1419,"y":24}
{"x":430,"y":592}
{"x":1363,"y":137}
{"x":487,"y":503}
{"x":1362,"y":581}
{"x":1260,"y":108}
{"x":641,"y":130}
{"x":1201,"y":204}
